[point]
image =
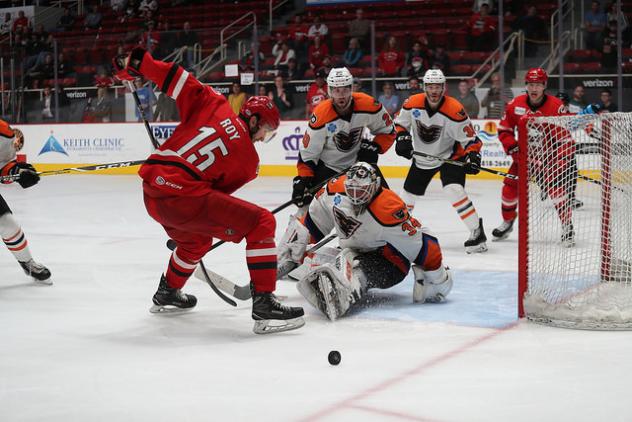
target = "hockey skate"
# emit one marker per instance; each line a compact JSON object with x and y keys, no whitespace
{"x":170,"y":300}
{"x":40,"y":273}
{"x":272,"y":317}
{"x":476,"y":242}
{"x":568,"y":236}
{"x":502,"y":232}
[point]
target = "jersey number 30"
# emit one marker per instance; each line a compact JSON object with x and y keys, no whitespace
{"x":199,"y":150}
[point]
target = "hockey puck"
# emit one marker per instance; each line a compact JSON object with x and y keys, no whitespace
{"x":171,"y":244}
{"x":334,"y":357}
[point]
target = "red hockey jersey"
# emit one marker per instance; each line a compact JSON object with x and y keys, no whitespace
{"x":519,"y":107}
{"x":210,"y":149}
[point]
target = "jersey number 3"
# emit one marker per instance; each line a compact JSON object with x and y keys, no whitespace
{"x":199,"y":150}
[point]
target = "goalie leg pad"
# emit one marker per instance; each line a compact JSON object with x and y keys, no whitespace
{"x":333,"y":288}
{"x":431,"y":286}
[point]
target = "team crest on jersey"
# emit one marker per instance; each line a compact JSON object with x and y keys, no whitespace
{"x":461,"y":113}
{"x":348,"y":225}
{"x":416,"y":113}
{"x":337,"y":199}
{"x":345,"y":141}
{"x":331,"y":127}
{"x":312,"y":119}
{"x":400,"y":214}
{"x":520,"y":111}
{"x":428,"y":134}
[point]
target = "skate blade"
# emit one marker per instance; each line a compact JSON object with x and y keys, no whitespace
{"x":168,"y":310}
{"x":269,"y":326}
{"x":480,"y":248}
{"x":47,"y":282}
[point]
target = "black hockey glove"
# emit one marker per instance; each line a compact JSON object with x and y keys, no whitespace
{"x":404,"y":145}
{"x":369,"y":151}
{"x":28,"y":174}
{"x":300,"y":191}
{"x":127,"y":67}
{"x":472,"y":162}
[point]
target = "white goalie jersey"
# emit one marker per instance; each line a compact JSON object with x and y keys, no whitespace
{"x":335,"y":141}
{"x":384,"y":221}
{"x":445,"y":132}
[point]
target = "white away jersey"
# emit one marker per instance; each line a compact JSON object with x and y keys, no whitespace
{"x":436,"y":132}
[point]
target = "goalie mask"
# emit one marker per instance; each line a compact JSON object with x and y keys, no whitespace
{"x":362,"y":183}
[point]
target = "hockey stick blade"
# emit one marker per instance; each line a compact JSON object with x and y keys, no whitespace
{"x":216,"y":281}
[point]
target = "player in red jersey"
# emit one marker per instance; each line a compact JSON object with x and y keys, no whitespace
{"x":188,"y":182}
{"x":537,"y":103}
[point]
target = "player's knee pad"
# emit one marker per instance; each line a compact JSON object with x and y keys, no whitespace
{"x":431,"y":286}
{"x":264,"y":229}
{"x":333,"y":288}
{"x":454,"y":191}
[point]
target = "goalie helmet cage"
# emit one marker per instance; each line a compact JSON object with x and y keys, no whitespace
{"x":575,"y":265}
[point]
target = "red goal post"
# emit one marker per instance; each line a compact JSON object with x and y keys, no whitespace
{"x":575,"y":265}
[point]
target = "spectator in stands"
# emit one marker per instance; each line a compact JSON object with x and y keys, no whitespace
{"x":42,"y":71}
{"x":609,"y":48}
{"x":102,"y":107}
{"x":247,"y":62}
{"x":20,"y":22}
{"x":7,"y":24}
{"x":416,"y":60}
{"x":577,"y":103}
{"x":391,"y":59}
{"x":496,"y":99}
{"x":327,"y":64}
{"x":93,"y":18}
{"x":47,"y":104}
{"x":147,"y":100}
{"x":34,"y":48}
{"x":118,"y":5}
{"x":606,"y":101}
{"x":262,"y":91}
{"x":293,"y":71}
{"x":388,"y":99}
{"x":360,"y":28}
{"x":353,"y":54}
{"x":283,"y":57}
{"x":413,"y":86}
{"x":317,"y":92}
{"x":166,"y":110}
{"x":281,"y":97}
{"x":148,"y":8}
{"x":188,"y":38}
{"x":594,"y":23}
{"x":481,"y":30}
{"x":467,"y":98}
{"x":150,"y":39}
{"x":65,"y":68}
{"x":317,"y":51}
{"x":237,"y":97}
{"x":279,"y":39}
{"x":440,"y":60}
{"x":318,"y":29}
{"x":534,"y":29}
{"x":66,"y":21}
{"x":298,"y":37}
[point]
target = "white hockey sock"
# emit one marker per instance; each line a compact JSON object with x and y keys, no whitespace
{"x":462,"y":204}
{"x":409,"y":199}
{"x":14,"y":238}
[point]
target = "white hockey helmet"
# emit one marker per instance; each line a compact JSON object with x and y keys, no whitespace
{"x":434,"y":76}
{"x":338,"y":77}
{"x":362,"y":183}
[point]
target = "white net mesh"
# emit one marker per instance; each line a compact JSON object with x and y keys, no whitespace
{"x":579,"y":257}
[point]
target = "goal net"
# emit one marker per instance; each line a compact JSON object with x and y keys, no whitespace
{"x":575,"y":257}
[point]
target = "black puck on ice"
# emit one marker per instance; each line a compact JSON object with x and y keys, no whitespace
{"x":334,"y":357}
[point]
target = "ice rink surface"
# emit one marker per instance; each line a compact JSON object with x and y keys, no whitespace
{"x":87,"y":349}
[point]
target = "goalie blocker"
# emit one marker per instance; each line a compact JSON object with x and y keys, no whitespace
{"x":379,"y":239}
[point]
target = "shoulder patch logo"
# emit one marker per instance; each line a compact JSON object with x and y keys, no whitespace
{"x":428,"y":134}
{"x":312,"y":119}
{"x":348,"y":225}
{"x":400,"y":214}
{"x":520,"y":110}
{"x":337,"y":199}
{"x":461,"y":113}
{"x":416,"y":113}
{"x":331,"y":127}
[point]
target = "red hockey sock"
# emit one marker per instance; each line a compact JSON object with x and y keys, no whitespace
{"x":179,"y":270}
{"x":509,"y":202}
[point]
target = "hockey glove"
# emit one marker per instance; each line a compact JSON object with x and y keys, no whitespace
{"x":404,"y":145}
{"x":472,"y":163}
{"x":127,"y":67}
{"x":300,"y":191}
{"x":28,"y":174}
{"x":369,"y":151}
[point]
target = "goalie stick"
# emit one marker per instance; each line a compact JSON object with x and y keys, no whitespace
{"x":461,"y":164}
{"x":95,"y":167}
